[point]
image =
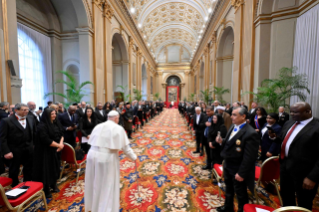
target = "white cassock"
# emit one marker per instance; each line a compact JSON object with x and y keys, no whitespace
{"x":102,"y":176}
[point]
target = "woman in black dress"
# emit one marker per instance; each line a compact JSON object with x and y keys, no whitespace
{"x":86,"y":125}
{"x":217,"y":126}
{"x":260,"y":119}
{"x":48,"y":143}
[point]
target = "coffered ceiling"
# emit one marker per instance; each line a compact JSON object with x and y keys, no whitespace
{"x":169,"y":22}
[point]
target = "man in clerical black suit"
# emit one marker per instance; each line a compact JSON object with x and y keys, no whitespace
{"x":239,"y":150}
{"x":299,"y":158}
{"x":81,"y":111}
{"x":34,"y":114}
{"x":16,"y":138}
{"x":283,"y":116}
{"x":100,"y":113}
{"x":69,"y":122}
{"x":199,"y":124}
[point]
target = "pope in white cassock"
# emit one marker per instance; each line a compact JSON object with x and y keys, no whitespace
{"x":102,"y":177}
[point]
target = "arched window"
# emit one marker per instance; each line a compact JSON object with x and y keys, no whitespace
{"x":34,"y":64}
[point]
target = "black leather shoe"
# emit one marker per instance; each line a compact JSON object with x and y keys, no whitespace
{"x":201,"y":154}
{"x":207,"y":167}
{"x":196,"y":152}
{"x":56,"y":190}
{"x":223,"y":209}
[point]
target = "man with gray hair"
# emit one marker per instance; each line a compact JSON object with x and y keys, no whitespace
{"x":102,"y":176}
{"x":283,"y":116}
{"x":17,"y":134}
{"x":239,"y":150}
{"x":4,"y":106}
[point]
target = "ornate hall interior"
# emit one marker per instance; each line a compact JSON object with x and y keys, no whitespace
{"x":169,"y":50}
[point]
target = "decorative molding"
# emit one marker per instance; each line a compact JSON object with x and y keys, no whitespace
{"x":108,"y":11}
{"x":164,"y":85}
{"x":237,"y":4}
{"x":88,"y":12}
{"x":133,"y":28}
{"x":16,"y":82}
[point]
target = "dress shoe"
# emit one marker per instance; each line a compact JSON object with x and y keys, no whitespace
{"x":196,"y":152}
{"x":223,"y":209}
{"x":56,"y":190}
{"x":201,"y":154}
{"x":207,"y":167}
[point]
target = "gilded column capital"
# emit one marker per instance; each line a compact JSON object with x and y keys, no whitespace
{"x":237,"y":4}
{"x":108,"y":10}
{"x":187,"y":72}
{"x":164,"y":85}
{"x":160,"y":73}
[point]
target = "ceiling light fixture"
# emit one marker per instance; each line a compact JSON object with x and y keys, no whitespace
{"x":132,"y":10}
{"x":209,"y":10}
{"x":139,"y":25}
{"x":144,"y":36}
{"x":206,"y":18}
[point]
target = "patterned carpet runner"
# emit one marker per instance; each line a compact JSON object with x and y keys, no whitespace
{"x":169,"y":176}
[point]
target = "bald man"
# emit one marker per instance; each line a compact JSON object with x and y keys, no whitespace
{"x":299,"y":158}
{"x":33,"y":113}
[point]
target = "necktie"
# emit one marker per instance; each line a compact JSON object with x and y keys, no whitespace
{"x":72,"y":118}
{"x":283,"y":147}
{"x":207,"y":128}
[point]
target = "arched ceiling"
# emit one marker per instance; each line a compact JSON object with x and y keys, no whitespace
{"x":168,"y":22}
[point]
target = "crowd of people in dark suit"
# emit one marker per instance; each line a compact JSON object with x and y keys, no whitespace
{"x":255,"y":135}
{"x":232,"y":135}
{"x":35,"y":138}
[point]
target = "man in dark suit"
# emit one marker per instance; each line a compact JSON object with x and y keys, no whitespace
{"x":33,"y":113}
{"x":81,"y":111}
{"x":69,"y":122}
{"x":252,"y":114}
{"x":140,"y":113}
{"x":100,"y":113}
{"x":49,"y":104}
{"x":239,"y":150}
{"x":283,"y":116}
{"x":299,"y":158}
{"x":16,"y":138}
{"x":3,"y":107}
{"x":199,"y":124}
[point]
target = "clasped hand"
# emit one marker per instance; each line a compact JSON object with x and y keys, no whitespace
{"x":308,"y":184}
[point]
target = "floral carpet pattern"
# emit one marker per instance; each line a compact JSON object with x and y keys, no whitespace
{"x":168,"y":177}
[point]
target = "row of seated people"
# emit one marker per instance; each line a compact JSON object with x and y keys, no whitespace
{"x":237,"y":146}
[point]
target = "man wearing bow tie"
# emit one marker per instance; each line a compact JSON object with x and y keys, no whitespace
{"x":239,"y":150}
{"x":16,"y":138}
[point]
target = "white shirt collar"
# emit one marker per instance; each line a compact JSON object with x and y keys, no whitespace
{"x":237,"y":126}
{"x":305,"y":122}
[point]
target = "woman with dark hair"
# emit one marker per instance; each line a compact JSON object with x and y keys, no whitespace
{"x":269,"y":147}
{"x":86,"y":125}
{"x":107,"y":107}
{"x":260,"y":119}
{"x":203,"y":107}
{"x":228,"y":109}
{"x":217,"y":126}
{"x":48,"y":143}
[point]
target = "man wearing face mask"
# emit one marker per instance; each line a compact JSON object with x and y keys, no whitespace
{"x":16,"y":138}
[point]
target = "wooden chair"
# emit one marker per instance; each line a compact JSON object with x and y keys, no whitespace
{"x":6,"y":182}
{"x":268,"y":172}
{"x":68,"y":156}
{"x":218,"y":173}
{"x":34,"y":193}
